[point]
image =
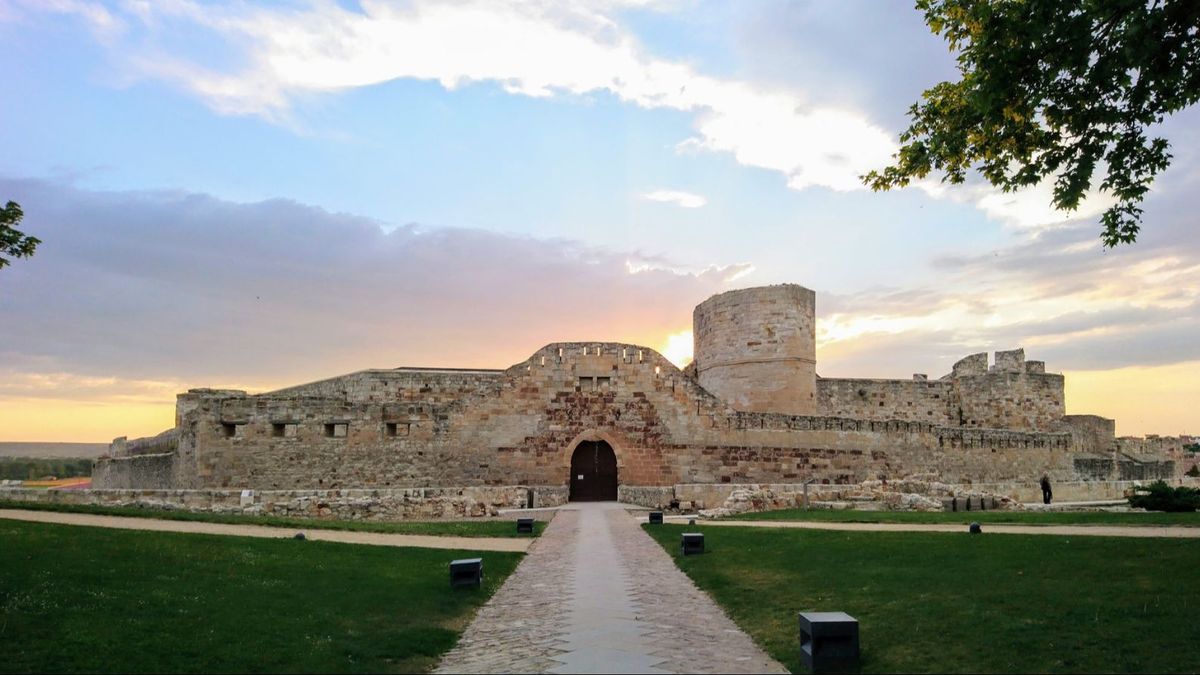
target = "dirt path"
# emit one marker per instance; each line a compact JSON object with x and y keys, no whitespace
{"x":340,"y":536}
{"x":1059,"y":530}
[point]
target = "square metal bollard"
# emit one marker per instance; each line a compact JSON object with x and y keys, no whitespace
{"x":656,"y":518}
{"x":828,"y":641}
{"x":466,"y":572}
{"x":692,"y":543}
{"x":524,"y":525}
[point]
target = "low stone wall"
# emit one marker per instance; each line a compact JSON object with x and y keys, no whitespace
{"x":655,"y":497}
{"x":361,"y":504}
{"x":915,"y":493}
{"x":1075,"y":491}
{"x":134,"y":472}
{"x":696,"y":496}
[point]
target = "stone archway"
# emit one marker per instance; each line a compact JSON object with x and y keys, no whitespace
{"x":593,"y":472}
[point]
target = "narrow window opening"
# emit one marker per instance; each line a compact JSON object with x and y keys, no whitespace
{"x":336,"y":429}
{"x":278,"y":429}
{"x":228,"y":429}
{"x":390,"y":429}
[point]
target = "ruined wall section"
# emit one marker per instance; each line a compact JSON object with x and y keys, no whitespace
{"x":426,"y":385}
{"x":756,"y":348}
{"x":916,"y":400}
{"x":1091,"y":433}
{"x":1012,"y":394}
{"x":145,"y":471}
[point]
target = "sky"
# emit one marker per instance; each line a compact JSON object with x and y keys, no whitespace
{"x":255,"y":195}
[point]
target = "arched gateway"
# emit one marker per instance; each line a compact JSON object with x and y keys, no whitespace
{"x":593,"y":473}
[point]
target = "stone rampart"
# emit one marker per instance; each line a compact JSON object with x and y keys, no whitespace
{"x":1091,"y":433}
{"x":522,"y":428}
{"x":137,"y":471}
{"x":164,"y":443}
{"x":748,"y":411}
{"x":911,"y":400}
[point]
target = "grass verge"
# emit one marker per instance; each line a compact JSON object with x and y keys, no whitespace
{"x":456,"y":528}
{"x":79,"y":599}
{"x":1013,"y":517}
{"x":961,"y":603}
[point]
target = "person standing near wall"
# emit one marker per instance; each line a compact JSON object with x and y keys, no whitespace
{"x":1046,"y":494}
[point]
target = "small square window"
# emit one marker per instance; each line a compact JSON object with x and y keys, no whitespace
{"x":278,"y":429}
{"x":228,"y":429}
{"x":390,"y":428}
{"x":336,"y":429}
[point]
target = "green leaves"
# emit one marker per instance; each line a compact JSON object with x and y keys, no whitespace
{"x":1055,"y":88}
{"x":13,"y":242}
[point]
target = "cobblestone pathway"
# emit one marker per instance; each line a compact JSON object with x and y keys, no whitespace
{"x":597,"y":595}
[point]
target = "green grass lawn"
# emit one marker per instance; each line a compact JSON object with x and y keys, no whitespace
{"x":81,"y":599}
{"x":941,"y":602}
{"x":458,"y":528}
{"x":1014,"y":517}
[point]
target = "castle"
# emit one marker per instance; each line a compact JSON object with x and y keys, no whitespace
{"x":594,"y":420}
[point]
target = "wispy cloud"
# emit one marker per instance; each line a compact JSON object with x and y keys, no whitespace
{"x":540,"y":50}
{"x":687,"y":200}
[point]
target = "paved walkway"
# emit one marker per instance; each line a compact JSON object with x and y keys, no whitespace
{"x":597,"y":595}
{"x":340,"y":536}
{"x":1060,"y":530}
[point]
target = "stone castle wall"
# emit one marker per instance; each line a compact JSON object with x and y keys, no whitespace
{"x":135,"y":472}
{"x":749,"y":410}
{"x":916,"y":400}
{"x":520,"y":427}
{"x":756,"y":348}
{"x":353,"y":504}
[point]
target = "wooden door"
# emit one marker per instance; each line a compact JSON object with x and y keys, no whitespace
{"x":593,"y":473}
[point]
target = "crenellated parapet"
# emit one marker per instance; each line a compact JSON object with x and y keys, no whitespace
{"x":748,"y":410}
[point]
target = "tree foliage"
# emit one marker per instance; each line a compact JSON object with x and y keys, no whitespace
{"x":1055,"y":88}
{"x":13,"y":242}
{"x":1158,"y":496}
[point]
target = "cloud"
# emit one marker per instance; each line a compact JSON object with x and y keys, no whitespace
{"x":679,"y":198}
{"x":103,"y":24}
{"x":1059,"y":294}
{"x":274,"y":57}
{"x":129,"y":289}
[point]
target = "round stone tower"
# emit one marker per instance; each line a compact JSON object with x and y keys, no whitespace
{"x":756,"y":348}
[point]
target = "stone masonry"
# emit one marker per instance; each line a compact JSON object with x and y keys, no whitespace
{"x":750,"y":410}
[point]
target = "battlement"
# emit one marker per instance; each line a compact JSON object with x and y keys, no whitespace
{"x":749,"y":409}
